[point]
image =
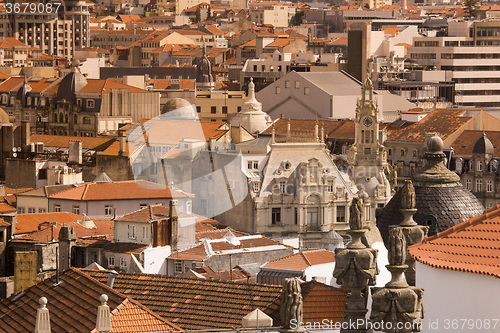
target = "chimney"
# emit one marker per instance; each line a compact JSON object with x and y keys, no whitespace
{"x":259,"y":47}
{"x":75,"y":152}
{"x":123,"y":142}
{"x":25,"y":136}
{"x":174,"y":221}
{"x":111,"y":278}
{"x":66,"y":238}
{"x":42,"y":324}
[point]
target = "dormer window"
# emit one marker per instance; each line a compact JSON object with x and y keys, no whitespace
{"x":479,"y":166}
{"x":90,"y":103}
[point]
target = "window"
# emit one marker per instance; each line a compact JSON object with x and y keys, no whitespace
{"x":402,"y":153}
{"x":108,"y":210}
{"x":479,"y":184}
{"x":489,"y":186}
{"x":296,"y":216}
{"x":278,"y":90}
{"x":86,"y":120}
{"x":415,"y":153}
{"x":131,"y":231}
{"x":255,"y":186}
{"x":367,"y":213}
{"x":145,"y":232}
{"x":111,"y":262}
{"x":344,"y":150}
{"x":26,"y":116}
{"x":123,"y":263}
{"x":253,"y":165}
{"x":42,"y":210}
{"x":76,"y":210}
{"x":306,"y":91}
{"x":143,"y":205}
{"x":340,"y":213}
{"x":330,"y":186}
{"x":479,"y":166}
{"x":213,"y":109}
{"x":276,"y":215}
{"x":297,"y":84}
{"x":188,"y":207}
{"x":20,"y":210}
{"x":57,"y":208}
{"x":224,"y":109}
{"x":287,"y":84}
{"x":31,"y":210}
{"x":198,"y":109}
{"x":90,"y":103}
{"x":178,"y":266}
{"x":468,"y":184}
{"x":282,"y":187}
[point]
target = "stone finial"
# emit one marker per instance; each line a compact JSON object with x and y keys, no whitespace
{"x":408,"y":196}
{"x":251,"y":92}
{"x":393,"y":177}
{"x":291,"y":303}
{"x":42,"y":324}
{"x":103,"y":324}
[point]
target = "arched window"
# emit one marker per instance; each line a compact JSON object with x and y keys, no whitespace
{"x":75,"y":120}
{"x":61,"y":118}
{"x":55,"y":117}
{"x":66,"y":118}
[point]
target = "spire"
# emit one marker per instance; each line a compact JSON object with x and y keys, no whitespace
{"x":251,"y":92}
{"x":42,"y":324}
{"x":103,"y":324}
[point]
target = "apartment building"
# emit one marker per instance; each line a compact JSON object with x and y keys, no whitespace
{"x":276,"y":15}
{"x":470,"y":57}
{"x":57,"y":33}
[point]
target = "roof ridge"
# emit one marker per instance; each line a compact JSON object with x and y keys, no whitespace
{"x":305,"y":258}
{"x":84,"y":191}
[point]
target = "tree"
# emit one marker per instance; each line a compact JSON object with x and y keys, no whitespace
{"x":297,"y":18}
{"x":197,"y":14}
{"x":471,"y":7}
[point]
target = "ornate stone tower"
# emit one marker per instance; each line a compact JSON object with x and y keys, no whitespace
{"x":367,"y":157}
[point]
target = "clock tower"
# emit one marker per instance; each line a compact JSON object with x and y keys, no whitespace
{"x":367,"y":157}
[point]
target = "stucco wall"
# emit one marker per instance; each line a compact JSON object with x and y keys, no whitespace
{"x":452,"y":295}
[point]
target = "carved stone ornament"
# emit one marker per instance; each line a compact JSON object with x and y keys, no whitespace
{"x":356,"y":268}
{"x":291,"y":304}
{"x":356,"y":214}
{"x":408,"y":196}
{"x":396,"y":247}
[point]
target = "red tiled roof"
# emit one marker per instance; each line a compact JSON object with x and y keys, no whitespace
{"x":4,"y":208}
{"x":30,"y":222}
{"x":194,"y":303}
{"x":217,"y":233}
{"x":105,"y":86}
{"x":128,"y":189}
{"x":4,"y":223}
{"x":302,"y":260}
{"x":472,"y":246}
{"x":116,"y":247}
{"x":91,"y":143}
{"x":280,"y":42}
{"x":167,"y":83}
{"x":323,"y":302}
{"x":147,"y":214}
{"x":236,"y":274}
{"x":464,"y":144}
{"x":442,"y":121}
{"x":73,"y":308}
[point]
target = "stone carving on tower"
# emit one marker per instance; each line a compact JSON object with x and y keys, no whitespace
{"x":367,"y":157}
{"x":398,"y":303}
{"x":356,"y":268}
{"x":204,"y":78}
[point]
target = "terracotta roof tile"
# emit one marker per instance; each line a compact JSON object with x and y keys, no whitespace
{"x":128,"y":189}
{"x":97,"y":144}
{"x":105,"y":86}
{"x":217,"y":233}
{"x":236,"y":275}
{"x":323,"y":302}
{"x":29,"y":222}
{"x":280,"y":42}
{"x":464,"y":144}
{"x":472,"y":246}
{"x":4,"y":223}
{"x":167,"y":83}
{"x":73,"y":307}
{"x":302,"y":260}
{"x":442,"y":121}
{"x":4,"y":208}
{"x":193,"y":303}
{"x":116,"y":247}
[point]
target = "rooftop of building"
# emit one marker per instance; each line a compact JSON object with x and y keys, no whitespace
{"x":302,"y":260}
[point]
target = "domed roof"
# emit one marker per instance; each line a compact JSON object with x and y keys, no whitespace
{"x":483,"y":146}
{"x":4,"y":117}
{"x":70,"y":84}
{"x":440,"y":196}
{"x":178,"y":108}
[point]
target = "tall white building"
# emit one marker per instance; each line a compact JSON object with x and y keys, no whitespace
{"x":55,"y":33}
{"x":470,"y":57}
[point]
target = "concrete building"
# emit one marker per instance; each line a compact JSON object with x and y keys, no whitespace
{"x":277,"y":15}
{"x":468,"y":55}
{"x":58,"y":32}
{"x":317,"y":95}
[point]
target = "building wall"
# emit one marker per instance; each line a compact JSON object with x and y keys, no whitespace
{"x":206,"y":100}
{"x":20,"y":173}
{"x":323,"y":271}
{"x":452,"y":295}
{"x":141,"y":235}
{"x":39,"y":204}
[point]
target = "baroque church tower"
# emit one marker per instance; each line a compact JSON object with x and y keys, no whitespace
{"x":367,"y":157}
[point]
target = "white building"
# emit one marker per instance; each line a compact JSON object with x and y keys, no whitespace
{"x":276,"y":15}
{"x":459,"y":292}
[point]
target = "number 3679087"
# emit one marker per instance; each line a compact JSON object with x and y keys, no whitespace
{"x":32,"y":8}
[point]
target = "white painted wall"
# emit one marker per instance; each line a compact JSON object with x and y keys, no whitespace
{"x":458,"y":295}
{"x":155,"y":259}
{"x":323,"y":270}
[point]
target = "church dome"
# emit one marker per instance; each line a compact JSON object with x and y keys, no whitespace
{"x":441,"y":200}
{"x":483,"y":146}
{"x":4,"y":117}
{"x":71,"y":84}
{"x":178,"y":108}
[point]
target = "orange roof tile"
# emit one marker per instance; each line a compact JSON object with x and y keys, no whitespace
{"x":393,"y":31}
{"x":280,"y":42}
{"x":252,"y":43}
{"x":302,"y":260}
{"x":464,"y":144}
{"x":92,"y":143}
{"x":105,"y":86}
{"x":323,"y":302}
{"x":120,"y":190}
{"x":167,"y":83}
{"x":4,"y":208}
{"x":14,"y":42}
{"x":472,"y":246}
{"x":217,"y":233}
{"x":4,"y":223}
{"x":29,"y":222}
